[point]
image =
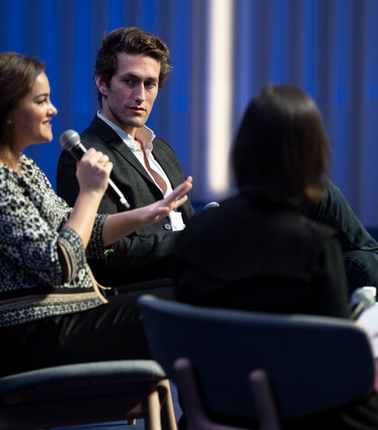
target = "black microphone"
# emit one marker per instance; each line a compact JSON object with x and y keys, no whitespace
{"x":70,"y":140}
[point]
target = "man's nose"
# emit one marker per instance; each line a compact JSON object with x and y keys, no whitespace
{"x":139,"y":92}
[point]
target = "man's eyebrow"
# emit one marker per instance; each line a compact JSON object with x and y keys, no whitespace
{"x":132,"y":76}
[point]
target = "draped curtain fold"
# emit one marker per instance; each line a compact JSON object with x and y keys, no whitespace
{"x":328,"y":47}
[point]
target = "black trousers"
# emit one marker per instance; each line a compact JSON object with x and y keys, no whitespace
{"x":109,"y":332}
{"x":360,"y":249}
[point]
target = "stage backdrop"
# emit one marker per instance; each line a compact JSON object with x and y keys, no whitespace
{"x":222,"y":51}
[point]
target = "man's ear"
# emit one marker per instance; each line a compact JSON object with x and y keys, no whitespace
{"x":101,"y":85}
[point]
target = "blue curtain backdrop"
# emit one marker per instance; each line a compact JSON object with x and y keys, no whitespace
{"x":328,"y":47}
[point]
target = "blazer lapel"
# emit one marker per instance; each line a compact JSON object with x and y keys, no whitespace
{"x":162,"y":154}
{"x":110,"y":137}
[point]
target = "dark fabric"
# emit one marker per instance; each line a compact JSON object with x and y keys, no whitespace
{"x":144,"y":254}
{"x":260,"y":256}
{"x":269,"y":257}
{"x":110,"y":332}
{"x":364,"y":417}
{"x":359,"y":248}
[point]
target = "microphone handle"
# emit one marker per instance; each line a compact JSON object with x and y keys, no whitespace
{"x":357,"y":311}
{"x":112,"y":188}
{"x":112,"y":191}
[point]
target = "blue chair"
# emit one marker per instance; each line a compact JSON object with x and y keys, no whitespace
{"x":87,"y":393}
{"x":247,"y":367}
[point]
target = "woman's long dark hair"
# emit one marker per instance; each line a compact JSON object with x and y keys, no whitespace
{"x":281,"y":151}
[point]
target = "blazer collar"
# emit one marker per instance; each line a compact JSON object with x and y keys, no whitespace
{"x":111,"y":138}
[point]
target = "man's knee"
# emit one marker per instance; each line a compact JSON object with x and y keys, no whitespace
{"x":361,"y":269}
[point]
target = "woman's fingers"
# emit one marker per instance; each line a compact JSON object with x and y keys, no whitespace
{"x":162,"y":208}
{"x":179,"y":192}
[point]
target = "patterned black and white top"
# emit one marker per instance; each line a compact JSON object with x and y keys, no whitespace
{"x":43,"y":268}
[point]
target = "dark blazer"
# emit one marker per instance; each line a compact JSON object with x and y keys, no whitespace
{"x":268,"y":258}
{"x":144,"y":254}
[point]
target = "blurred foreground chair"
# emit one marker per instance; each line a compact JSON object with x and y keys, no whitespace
{"x":87,"y":393}
{"x":246,"y":367}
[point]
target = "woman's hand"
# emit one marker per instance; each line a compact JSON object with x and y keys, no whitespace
{"x":118,"y":225}
{"x":160,"y":209}
{"x":93,"y":171}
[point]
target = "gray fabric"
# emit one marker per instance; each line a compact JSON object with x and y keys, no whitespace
{"x":77,"y":375}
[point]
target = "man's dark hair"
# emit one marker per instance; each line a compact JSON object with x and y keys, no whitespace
{"x":131,"y":40}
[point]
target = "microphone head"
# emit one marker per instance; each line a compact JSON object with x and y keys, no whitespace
{"x":362,"y":296}
{"x":211,"y":205}
{"x":69,"y":139}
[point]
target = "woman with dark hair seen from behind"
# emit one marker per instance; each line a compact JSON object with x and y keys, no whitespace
{"x":52,"y":311}
{"x":269,"y":257}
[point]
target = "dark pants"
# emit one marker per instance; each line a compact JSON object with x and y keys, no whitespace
{"x":109,"y":332}
{"x":361,"y":269}
{"x":359,"y":248}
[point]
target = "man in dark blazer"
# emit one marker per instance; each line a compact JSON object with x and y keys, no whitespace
{"x":131,"y":66}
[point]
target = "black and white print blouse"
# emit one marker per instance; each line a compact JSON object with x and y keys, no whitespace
{"x":43,"y":268}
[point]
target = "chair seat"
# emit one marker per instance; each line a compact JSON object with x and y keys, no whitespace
{"x":86,"y":393}
{"x":55,"y":378}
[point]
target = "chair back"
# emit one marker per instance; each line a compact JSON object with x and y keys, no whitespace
{"x":313,"y":363}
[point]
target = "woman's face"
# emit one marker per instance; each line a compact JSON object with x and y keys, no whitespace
{"x":31,"y":122}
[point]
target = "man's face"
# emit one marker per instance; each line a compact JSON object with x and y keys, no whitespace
{"x":128,"y":100}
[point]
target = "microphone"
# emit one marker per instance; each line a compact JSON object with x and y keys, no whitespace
{"x":211,"y":205}
{"x":70,"y":140}
{"x":361,"y":299}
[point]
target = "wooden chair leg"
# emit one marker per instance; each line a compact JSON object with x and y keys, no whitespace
{"x":167,"y":412}
{"x":151,"y":408}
